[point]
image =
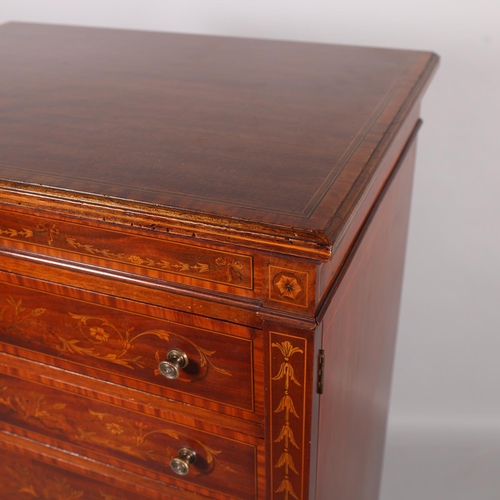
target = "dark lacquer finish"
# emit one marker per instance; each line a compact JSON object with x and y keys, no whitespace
{"x":201,"y":250}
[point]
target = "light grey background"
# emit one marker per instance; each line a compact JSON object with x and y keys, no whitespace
{"x":444,"y":432}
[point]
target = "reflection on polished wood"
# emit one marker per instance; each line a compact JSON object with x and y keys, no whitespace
{"x":201,"y":251}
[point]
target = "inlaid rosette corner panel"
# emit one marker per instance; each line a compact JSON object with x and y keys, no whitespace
{"x":289,"y":285}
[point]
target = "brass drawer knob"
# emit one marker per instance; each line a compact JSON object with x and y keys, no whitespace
{"x":176,"y":360}
{"x":180,"y":464}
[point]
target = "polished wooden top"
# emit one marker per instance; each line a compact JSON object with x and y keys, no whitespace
{"x":268,"y":136}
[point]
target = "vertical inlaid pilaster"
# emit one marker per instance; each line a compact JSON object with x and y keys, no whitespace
{"x":288,"y":355}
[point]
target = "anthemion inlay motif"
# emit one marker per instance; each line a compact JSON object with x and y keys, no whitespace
{"x":287,"y":408}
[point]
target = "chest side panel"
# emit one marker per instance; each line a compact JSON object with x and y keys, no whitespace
{"x":359,"y":331}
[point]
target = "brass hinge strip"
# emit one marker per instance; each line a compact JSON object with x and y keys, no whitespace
{"x":321,"y":371}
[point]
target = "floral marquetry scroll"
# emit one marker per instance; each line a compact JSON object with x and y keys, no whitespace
{"x":132,"y":346}
{"x":24,"y":479}
{"x":138,"y":440}
{"x":99,"y":330}
{"x":96,"y":332}
{"x":288,"y":386}
{"x":100,"y":431}
{"x":166,"y":257}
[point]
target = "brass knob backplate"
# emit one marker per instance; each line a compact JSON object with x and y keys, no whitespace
{"x":175,"y":362}
{"x":180,"y":464}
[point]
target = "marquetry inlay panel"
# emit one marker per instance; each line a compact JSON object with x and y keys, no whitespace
{"x":288,"y":356}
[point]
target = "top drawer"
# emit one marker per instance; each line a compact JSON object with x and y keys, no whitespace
{"x":125,"y":342}
{"x":155,"y":254}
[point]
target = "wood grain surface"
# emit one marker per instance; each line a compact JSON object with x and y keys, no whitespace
{"x":245,"y":201}
{"x":24,"y":478}
{"x":125,"y":439}
{"x":117,"y":345}
{"x":359,"y":333}
{"x":279,"y":137}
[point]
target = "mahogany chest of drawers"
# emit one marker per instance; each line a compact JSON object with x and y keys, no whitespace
{"x":201,"y":252}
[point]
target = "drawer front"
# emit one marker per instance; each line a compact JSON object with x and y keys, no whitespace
{"x":23,"y":478}
{"x":128,"y":440}
{"x":155,"y":256}
{"x":70,"y":330}
{"x":223,"y":272}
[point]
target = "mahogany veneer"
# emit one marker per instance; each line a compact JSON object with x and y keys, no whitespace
{"x":243,"y":203}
